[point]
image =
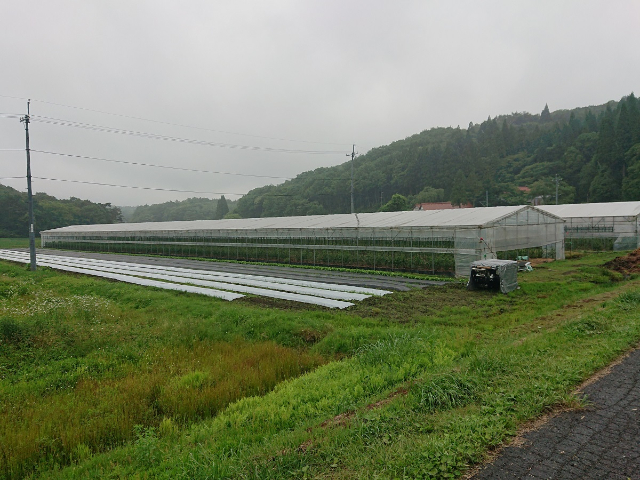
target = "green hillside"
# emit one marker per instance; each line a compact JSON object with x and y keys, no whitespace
{"x":189,"y":209}
{"x":49,"y":212}
{"x":594,"y":151}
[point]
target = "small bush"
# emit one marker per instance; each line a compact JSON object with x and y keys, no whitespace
{"x":598,"y":275}
{"x":146,"y":446}
{"x":629,"y":300}
{"x":10,"y":331}
{"x":194,"y":380}
{"x":592,"y":325}
{"x":444,"y":392}
{"x":81,"y":453}
{"x":167,"y":428}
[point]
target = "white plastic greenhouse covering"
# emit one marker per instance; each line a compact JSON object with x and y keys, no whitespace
{"x":617,"y":221}
{"x":391,"y":237}
{"x":222,"y":285}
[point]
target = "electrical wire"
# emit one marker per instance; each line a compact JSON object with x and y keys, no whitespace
{"x":154,"y":136}
{"x":158,"y":166}
{"x":132,"y":186}
{"x":155,"y":188}
{"x":171,"y":167}
{"x":174,"y":124}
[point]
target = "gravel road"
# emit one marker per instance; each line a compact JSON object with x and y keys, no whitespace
{"x":601,"y":442}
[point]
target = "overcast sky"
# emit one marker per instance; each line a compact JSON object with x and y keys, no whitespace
{"x":283,"y":75}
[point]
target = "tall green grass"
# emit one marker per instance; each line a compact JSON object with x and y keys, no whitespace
{"x":413,"y":385}
{"x":81,"y":365}
{"x":17,"y":243}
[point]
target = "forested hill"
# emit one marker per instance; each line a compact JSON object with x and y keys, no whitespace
{"x":593,"y":151}
{"x":190,"y":209}
{"x":49,"y":212}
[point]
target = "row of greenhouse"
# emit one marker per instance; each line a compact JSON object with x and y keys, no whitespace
{"x":436,"y":241}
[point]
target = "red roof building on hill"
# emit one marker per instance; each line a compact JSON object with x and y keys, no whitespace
{"x":439,"y":206}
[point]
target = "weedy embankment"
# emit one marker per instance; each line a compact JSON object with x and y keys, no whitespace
{"x":123,"y":381}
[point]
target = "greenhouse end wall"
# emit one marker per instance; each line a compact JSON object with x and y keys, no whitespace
{"x":602,"y":233}
{"x":599,"y":226}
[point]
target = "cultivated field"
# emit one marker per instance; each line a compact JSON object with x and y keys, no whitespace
{"x":105,"y":380}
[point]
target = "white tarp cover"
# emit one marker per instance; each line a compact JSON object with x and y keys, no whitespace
{"x":507,"y":271}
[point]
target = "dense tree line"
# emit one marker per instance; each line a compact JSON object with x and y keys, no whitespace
{"x":190,"y":209}
{"x":49,"y":212}
{"x":592,"y":152}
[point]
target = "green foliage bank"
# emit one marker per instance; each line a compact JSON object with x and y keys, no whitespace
{"x":594,"y":152}
{"x":105,"y":380}
{"x":49,"y":212}
{"x":190,"y":209}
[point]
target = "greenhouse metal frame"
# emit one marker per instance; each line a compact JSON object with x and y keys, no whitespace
{"x":599,"y":226}
{"x":435,"y":241}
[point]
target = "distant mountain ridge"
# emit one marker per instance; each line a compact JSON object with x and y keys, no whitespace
{"x":593,"y":153}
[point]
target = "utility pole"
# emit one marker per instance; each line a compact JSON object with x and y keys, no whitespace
{"x":487,"y":202}
{"x":32,"y":235}
{"x":557,"y":185}
{"x":353,"y":156}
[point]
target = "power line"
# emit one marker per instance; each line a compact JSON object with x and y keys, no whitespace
{"x":155,"y":136}
{"x":195,"y":170}
{"x":168,"y":167}
{"x":162,"y":189}
{"x":175,"y":124}
{"x":132,"y":186}
{"x":158,"y":166}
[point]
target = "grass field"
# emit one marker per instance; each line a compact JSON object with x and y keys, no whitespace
{"x":105,"y":380}
{"x":17,"y":243}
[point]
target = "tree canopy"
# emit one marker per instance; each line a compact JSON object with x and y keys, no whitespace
{"x":189,"y":209}
{"x":589,"y":148}
{"x":49,"y":212}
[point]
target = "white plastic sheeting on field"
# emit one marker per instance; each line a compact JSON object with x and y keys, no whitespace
{"x":222,"y":285}
{"x":226,"y":281}
{"x":383,"y":240}
{"x":145,"y":282}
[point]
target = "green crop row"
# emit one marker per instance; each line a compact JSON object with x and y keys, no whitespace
{"x":433,"y":263}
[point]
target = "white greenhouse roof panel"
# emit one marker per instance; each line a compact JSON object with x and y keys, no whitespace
{"x":609,"y":209}
{"x":463,"y":217}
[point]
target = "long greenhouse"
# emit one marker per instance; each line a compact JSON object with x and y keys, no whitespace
{"x":599,"y":226}
{"x":436,"y":241}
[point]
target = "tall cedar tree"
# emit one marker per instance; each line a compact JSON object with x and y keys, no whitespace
{"x":222,"y":208}
{"x":545,"y":116}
